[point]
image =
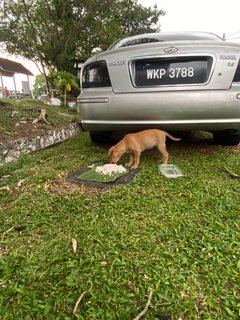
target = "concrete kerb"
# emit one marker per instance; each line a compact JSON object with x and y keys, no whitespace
{"x":10,"y":151}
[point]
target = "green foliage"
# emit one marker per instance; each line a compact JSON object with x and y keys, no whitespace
{"x":62,"y":78}
{"x":54,"y":31}
{"x":64,"y":81}
{"x":39,"y":86}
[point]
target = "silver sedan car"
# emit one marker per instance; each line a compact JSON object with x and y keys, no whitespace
{"x":171,"y":81}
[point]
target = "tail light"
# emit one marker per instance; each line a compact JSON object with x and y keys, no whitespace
{"x":96,"y":75}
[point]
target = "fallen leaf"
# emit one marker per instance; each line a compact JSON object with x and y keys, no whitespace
{"x":183,"y":295}
{"x":74,"y":245}
{"x":5,"y":188}
{"x":20,"y":183}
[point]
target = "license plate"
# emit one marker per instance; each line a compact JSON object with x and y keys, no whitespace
{"x":172,"y":71}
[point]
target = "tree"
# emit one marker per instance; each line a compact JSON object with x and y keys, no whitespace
{"x":52,"y":32}
{"x":39,"y":86}
{"x":64,"y":81}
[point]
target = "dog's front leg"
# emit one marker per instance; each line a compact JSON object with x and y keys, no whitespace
{"x":137,"y":154}
{"x":131,"y":161}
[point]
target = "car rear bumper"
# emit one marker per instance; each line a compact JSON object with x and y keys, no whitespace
{"x":211,"y":110}
{"x":230,"y":125}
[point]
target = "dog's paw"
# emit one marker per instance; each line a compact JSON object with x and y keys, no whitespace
{"x":134,"y":167}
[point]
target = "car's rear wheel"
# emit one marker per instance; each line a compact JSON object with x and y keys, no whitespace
{"x":226,"y":139}
{"x":102,"y":138}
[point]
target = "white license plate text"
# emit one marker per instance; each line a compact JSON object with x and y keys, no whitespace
{"x":172,"y":73}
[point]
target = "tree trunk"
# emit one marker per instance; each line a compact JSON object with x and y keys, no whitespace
{"x":65,"y":95}
{"x":46,"y":79}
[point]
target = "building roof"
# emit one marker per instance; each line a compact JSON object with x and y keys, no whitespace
{"x":8,"y":68}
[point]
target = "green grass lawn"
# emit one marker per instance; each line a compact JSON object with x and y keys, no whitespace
{"x":177,"y":237}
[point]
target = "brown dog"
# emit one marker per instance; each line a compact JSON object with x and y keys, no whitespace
{"x":136,"y":143}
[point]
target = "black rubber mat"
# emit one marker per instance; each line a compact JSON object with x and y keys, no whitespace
{"x":125,"y":179}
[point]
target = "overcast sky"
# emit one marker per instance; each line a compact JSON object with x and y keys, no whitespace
{"x":214,"y":16}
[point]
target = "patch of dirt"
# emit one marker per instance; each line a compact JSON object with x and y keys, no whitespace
{"x":64,"y":188}
{"x":25,"y":129}
{"x":22,"y":127}
{"x":16,"y":119}
{"x":233,"y":148}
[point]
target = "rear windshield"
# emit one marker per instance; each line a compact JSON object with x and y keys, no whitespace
{"x":141,"y":39}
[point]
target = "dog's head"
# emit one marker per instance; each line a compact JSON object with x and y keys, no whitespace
{"x":114,"y":154}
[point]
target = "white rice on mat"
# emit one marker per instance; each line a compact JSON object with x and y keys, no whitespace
{"x":110,"y":169}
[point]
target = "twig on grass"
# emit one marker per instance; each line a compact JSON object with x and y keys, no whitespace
{"x":77,"y":304}
{"x":3,"y":235}
{"x":231,"y":173}
{"x":146,"y":306}
{"x":32,"y":109}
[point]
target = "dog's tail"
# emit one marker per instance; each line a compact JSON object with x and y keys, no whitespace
{"x":171,"y":137}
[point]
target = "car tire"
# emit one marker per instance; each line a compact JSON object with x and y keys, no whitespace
{"x":226,"y":139}
{"x":101,"y":138}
